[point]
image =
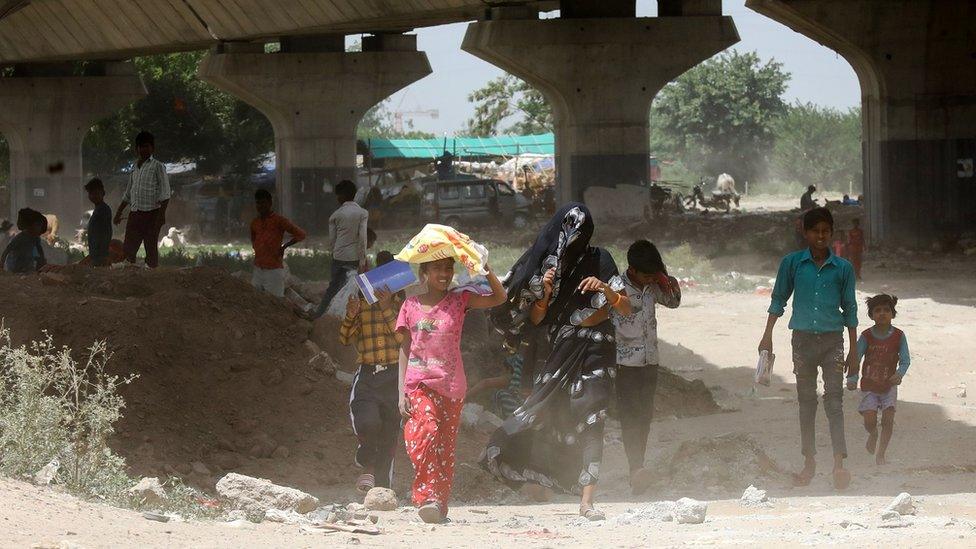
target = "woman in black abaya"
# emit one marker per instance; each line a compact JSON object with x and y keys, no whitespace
{"x":567,"y":287}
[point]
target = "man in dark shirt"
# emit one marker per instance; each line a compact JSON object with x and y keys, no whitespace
{"x":807,"y":202}
{"x":100,"y":224}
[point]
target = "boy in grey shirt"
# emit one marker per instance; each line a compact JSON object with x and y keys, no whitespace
{"x":646,"y":284}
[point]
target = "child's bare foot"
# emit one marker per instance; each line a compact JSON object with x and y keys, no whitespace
{"x":872,"y":443}
{"x":880,"y":460}
{"x":641,"y":480}
{"x":804,"y":477}
{"x":842,"y":478}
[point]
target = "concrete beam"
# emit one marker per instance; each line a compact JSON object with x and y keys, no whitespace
{"x":600,"y":76}
{"x":686,"y":8}
{"x":916,"y":63}
{"x":314,"y":102}
{"x":45,"y":120}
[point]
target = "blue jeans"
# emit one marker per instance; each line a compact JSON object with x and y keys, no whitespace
{"x":339,"y":276}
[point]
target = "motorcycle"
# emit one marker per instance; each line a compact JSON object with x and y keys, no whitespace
{"x":717,"y":200}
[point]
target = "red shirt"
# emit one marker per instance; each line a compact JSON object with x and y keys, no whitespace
{"x":855,"y":240}
{"x":267,"y":236}
{"x":880,"y":360}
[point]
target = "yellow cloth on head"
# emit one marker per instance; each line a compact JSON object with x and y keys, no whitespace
{"x":435,"y":242}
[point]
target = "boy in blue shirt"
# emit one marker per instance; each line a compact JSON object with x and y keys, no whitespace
{"x":884,"y":349}
{"x":24,"y":253}
{"x":100,"y":224}
{"x":824,"y":305}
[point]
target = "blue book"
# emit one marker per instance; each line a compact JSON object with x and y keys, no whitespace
{"x":393,"y":276}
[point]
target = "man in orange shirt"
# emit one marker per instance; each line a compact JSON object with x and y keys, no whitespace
{"x":267,"y":233}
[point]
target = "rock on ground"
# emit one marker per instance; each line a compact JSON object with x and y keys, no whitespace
{"x":754,"y":497}
{"x":380,"y":499}
{"x":657,"y":511}
{"x":46,"y":474}
{"x":257,"y":495}
{"x":903,"y":504}
{"x":690,"y":511}
{"x":285,"y":517}
{"x":148,"y":490}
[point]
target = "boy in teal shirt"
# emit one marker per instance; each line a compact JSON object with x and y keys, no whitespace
{"x":824,"y":305}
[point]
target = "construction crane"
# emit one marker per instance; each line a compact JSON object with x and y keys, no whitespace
{"x":399,"y":115}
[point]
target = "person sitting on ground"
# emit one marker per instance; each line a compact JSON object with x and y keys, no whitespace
{"x":373,"y":400}
{"x":884,"y":349}
{"x":24,"y":253}
{"x":267,"y":233}
{"x":347,"y":242}
{"x":807,"y":202}
{"x":99,"y":225}
{"x":646,"y":284}
{"x":824,"y":304}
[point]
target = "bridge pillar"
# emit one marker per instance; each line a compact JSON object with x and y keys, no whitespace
{"x":45,"y":113}
{"x":315,"y":94}
{"x":916,"y":63}
{"x":600,"y":75}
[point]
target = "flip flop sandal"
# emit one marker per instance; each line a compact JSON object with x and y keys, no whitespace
{"x":592,"y":515}
{"x":365,"y":483}
{"x":430,"y":513}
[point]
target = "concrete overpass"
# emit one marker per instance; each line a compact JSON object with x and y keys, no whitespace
{"x":916,"y":63}
{"x":598,"y":64}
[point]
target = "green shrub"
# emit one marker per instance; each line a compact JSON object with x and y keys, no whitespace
{"x":55,"y":408}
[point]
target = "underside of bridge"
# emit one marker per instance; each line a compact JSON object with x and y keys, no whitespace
{"x":598,"y":64}
{"x":916,"y":62}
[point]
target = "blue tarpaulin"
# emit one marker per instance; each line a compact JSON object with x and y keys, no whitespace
{"x":466,"y":147}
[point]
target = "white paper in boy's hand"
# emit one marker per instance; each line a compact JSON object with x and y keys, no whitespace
{"x":764,"y":368}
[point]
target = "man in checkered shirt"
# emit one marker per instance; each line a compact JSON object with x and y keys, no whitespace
{"x":146,"y":196}
{"x":374,"y":402}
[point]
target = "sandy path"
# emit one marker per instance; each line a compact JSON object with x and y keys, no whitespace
{"x":711,"y":337}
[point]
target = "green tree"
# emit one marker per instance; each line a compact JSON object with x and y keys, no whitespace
{"x":190,"y":119}
{"x":719,"y":116}
{"x":508,"y":98}
{"x":818,"y":146}
{"x":196,"y":122}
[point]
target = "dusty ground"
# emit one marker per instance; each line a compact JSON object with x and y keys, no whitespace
{"x":712,"y":337}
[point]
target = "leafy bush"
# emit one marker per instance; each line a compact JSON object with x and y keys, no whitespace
{"x":57,"y":414}
{"x":55,"y":409}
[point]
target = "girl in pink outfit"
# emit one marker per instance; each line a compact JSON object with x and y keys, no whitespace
{"x":432,"y":381}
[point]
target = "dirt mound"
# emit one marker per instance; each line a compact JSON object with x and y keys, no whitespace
{"x":680,"y":397}
{"x":225,"y":382}
{"x":726,"y":463}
